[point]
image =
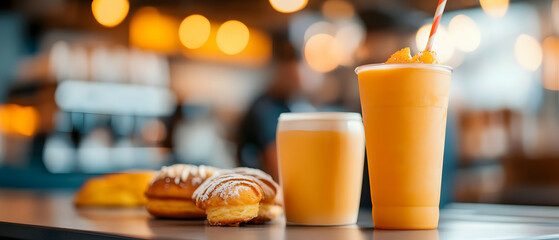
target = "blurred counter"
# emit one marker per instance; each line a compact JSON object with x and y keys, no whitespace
{"x":36,"y":178}
{"x":51,"y":215}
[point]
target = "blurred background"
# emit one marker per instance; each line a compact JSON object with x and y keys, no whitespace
{"x":91,"y":87}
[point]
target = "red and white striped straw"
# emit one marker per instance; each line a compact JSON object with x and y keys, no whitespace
{"x":435,"y":26}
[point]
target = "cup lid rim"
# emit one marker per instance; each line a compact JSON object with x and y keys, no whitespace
{"x":403,"y":65}
{"x":319,"y":116}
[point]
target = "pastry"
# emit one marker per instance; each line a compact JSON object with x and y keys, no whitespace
{"x":272,"y":201}
{"x":229,"y":199}
{"x":170,"y":192}
{"x":114,"y":190}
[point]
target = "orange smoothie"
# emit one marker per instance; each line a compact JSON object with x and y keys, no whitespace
{"x":404,"y":113}
{"x":321,"y":167}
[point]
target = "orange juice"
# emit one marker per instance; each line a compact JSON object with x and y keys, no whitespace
{"x":404,"y":113}
{"x":321,"y":167}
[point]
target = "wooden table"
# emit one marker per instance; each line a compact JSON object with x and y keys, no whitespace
{"x":51,"y":215}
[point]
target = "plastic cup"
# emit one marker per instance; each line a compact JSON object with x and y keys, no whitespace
{"x":404,"y":113}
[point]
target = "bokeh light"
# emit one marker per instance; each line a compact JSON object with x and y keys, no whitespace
{"x":232,"y":37}
{"x":464,"y":33}
{"x":6,"y":114}
{"x":495,"y":8}
{"x":456,"y":60}
{"x":288,"y":6}
{"x":18,"y":119}
{"x":26,"y":121}
{"x":348,"y":37}
{"x":299,"y":24}
{"x":338,"y":9}
{"x":110,"y":13}
{"x":528,"y":52}
{"x":322,"y":53}
{"x":317,"y":28}
{"x":443,"y":43}
{"x":550,"y":78}
{"x":150,"y":29}
{"x":194,"y":31}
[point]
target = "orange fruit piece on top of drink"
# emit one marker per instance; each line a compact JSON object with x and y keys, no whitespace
{"x":404,"y":56}
{"x":425,"y":57}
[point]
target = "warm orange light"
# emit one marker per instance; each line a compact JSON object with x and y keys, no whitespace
{"x":495,"y":8}
{"x":288,"y":6}
{"x":338,"y":9}
{"x":150,"y":29}
{"x":25,"y":122}
{"x":18,"y":120}
{"x":194,"y":31}
{"x":550,"y":78}
{"x":322,"y":53}
{"x":528,"y":52}
{"x":110,"y":13}
{"x":6,"y":114}
{"x":232,"y":37}
{"x":256,"y":53}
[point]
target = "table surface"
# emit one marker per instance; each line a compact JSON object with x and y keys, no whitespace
{"x":47,"y":214}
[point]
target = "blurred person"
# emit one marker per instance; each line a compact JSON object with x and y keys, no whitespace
{"x":257,"y":132}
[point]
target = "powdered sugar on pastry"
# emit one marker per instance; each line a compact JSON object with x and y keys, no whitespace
{"x":225,"y":186}
{"x":269,"y":186}
{"x":182,"y":172}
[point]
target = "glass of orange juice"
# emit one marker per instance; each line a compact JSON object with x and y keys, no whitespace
{"x":321,"y":166}
{"x":404,"y":113}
